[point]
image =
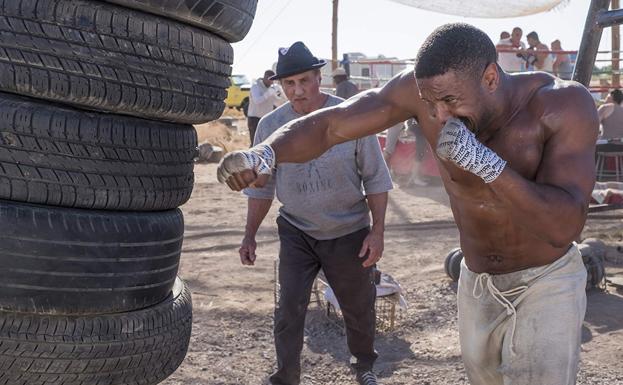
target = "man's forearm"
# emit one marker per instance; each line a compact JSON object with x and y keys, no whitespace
{"x":307,"y":138}
{"x":549,"y":212}
{"x":257,"y":209}
{"x":378,"y":208}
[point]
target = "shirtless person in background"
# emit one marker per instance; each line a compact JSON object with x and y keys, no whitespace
{"x":517,"y":160}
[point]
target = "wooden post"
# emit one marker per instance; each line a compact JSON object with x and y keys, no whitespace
{"x":334,"y":36}
{"x":616,"y":46}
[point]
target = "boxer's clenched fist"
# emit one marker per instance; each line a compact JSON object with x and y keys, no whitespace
{"x":459,"y":145}
{"x":252,"y":167}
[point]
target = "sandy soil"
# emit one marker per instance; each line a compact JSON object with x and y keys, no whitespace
{"x":232,"y":335}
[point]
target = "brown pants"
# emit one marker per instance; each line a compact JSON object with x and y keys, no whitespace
{"x":300,"y":259}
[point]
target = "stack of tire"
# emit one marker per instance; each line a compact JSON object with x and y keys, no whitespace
{"x":97,"y":102}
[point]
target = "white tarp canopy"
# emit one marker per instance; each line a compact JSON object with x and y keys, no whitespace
{"x":485,"y":8}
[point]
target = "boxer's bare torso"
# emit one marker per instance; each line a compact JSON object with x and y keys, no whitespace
{"x":492,"y":239}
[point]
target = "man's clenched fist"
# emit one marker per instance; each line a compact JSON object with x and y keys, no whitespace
{"x":459,"y":145}
{"x":252,"y":167}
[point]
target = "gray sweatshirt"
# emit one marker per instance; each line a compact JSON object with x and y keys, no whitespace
{"x":325,"y":198}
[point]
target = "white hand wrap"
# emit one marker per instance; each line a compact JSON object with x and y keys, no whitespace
{"x":260,"y":158}
{"x":459,"y":145}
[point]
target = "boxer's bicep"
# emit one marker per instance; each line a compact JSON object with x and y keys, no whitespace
{"x":375,"y":110}
{"x":568,"y":159}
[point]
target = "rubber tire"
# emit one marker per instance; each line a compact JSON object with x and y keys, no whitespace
{"x":448,"y":260}
{"x":136,"y":348}
{"x":63,"y":157}
{"x":70,"y":261}
{"x":454,"y":266}
{"x":595,"y":272}
{"x":108,"y":58}
{"x":230,"y":19}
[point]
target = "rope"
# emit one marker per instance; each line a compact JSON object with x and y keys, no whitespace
{"x":500,"y":297}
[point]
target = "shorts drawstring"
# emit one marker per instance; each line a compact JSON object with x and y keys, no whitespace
{"x":500,"y":296}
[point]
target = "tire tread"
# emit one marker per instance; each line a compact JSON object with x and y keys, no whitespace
{"x":89,"y":54}
{"x":62,"y":157}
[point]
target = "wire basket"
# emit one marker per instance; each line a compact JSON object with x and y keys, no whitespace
{"x":385,"y":308}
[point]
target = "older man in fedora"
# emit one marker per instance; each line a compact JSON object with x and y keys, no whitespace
{"x":323,"y":223}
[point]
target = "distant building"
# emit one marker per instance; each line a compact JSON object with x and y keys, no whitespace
{"x":366,"y":72}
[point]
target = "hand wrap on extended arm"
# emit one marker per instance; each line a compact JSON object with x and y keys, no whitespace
{"x":260,"y":159}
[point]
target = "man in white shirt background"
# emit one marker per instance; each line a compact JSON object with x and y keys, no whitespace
{"x":544,"y":61}
{"x":265,"y":96}
{"x":511,"y":61}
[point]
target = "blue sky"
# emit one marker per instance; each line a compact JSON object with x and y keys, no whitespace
{"x":382,"y":27}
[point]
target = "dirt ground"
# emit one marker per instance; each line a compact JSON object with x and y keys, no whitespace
{"x":232,"y":335}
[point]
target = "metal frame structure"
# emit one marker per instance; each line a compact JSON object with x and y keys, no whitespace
{"x":598,"y":18}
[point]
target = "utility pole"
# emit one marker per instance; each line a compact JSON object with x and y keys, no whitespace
{"x":334,"y":36}
{"x":616,"y":47}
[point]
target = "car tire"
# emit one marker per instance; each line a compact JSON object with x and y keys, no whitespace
{"x":141,"y":347}
{"x":63,"y":157}
{"x":230,"y":19}
{"x":71,"y":261}
{"x":104,"y":57}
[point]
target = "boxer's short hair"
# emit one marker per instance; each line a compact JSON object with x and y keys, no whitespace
{"x":458,"y":47}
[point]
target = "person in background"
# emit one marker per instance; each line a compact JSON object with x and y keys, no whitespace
{"x":391,"y":141}
{"x":542,"y":61}
{"x":611,"y":116}
{"x":505,"y":35}
{"x":511,"y":61}
{"x":393,"y":134}
{"x":562,"y":62}
{"x":344,"y":88}
{"x":421,"y":148}
{"x":263,"y":98}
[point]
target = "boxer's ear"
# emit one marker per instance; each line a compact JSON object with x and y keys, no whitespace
{"x":491,"y":77}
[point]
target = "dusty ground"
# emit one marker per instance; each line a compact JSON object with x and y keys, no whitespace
{"x":232,"y":338}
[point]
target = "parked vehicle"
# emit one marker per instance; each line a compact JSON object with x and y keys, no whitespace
{"x":238,"y":93}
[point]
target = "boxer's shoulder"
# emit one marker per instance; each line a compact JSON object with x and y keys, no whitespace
{"x":555,"y":95}
{"x":557,"y":104}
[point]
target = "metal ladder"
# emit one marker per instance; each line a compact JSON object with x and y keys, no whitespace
{"x":598,"y":18}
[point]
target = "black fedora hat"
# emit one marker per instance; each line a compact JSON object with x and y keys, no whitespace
{"x":295,"y":60}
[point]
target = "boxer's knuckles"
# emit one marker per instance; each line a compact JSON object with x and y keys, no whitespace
{"x":233,"y":163}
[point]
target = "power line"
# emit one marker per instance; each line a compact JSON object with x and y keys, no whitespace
{"x":264,"y":31}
